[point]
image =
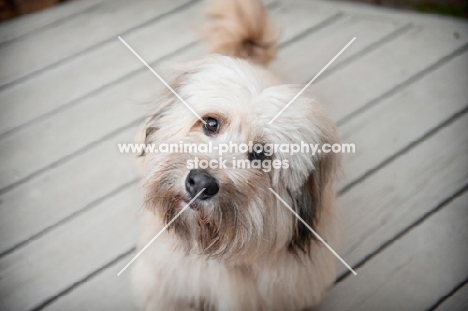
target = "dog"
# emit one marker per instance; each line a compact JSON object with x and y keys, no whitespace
{"x":237,"y":247}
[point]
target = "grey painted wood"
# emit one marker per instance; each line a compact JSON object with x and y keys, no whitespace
{"x":23,"y":57}
{"x":385,"y":68}
{"x":104,"y":292}
{"x":397,"y":195}
{"x":33,"y":23}
{"x":73,"y":250}
{"x":457,"y":302}
{"x":404,"y":117}
{"x":94,"y":70}
{"x":65,"y":190}
{"x":415,"y":271}
{"x":299,"y":63}
{"x":21,"y":104}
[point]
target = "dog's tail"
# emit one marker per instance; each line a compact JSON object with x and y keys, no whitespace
{"x":240,"y":28}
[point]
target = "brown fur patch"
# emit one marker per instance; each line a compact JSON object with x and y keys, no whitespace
{"x":241,"y":28}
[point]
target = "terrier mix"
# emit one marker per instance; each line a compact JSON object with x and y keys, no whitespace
{"x":237,"y":247}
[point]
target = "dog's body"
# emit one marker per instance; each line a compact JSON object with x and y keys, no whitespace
{"x":237,"y":247}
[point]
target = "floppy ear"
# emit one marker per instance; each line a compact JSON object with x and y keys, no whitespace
{"x":316,"y":194}
{"x":148,"y":131}
{"x":163,"y":102}
{"x":152,"y":122}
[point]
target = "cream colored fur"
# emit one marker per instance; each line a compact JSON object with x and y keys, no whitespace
{"x":252,"y":262}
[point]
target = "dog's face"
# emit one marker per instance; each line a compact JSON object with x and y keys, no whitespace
{"x":237,"y":218}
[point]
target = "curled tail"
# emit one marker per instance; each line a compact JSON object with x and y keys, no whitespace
{"x":240,"y":28}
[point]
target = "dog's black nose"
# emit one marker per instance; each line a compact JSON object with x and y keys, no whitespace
{"x":197,"y":180}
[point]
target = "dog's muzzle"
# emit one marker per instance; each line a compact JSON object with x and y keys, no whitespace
{"x":197,"y":179}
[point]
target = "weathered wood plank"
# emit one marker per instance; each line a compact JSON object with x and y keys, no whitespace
{"x":21,"y":104}
{"x":58,"y":259}
{"x":415,"y":271}
{"x":388,"y":67}
{"x":104,"y":292}
{"x":34,"y":23}
{"x":457,"y":302}
{"x":94,"y":70}
{"x":65,"y":190}
{"x":56,"y":139}
{"x":23,"y":57}
{"x":404,"y":117}
{"x":298,"y":63}
{"x":396,"y":196}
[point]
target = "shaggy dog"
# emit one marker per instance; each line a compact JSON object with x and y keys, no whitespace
{"x":237,"y":247}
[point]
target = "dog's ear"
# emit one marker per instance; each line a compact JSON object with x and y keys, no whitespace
{"x":315,"y":195}
{"x":151,"y":127}
{"x":164,"y":101}
{"x":149,"y":130}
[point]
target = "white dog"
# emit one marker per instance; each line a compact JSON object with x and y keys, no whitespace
{"x":237,"y":247}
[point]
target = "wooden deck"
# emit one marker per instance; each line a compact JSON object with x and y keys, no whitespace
{"x":69,"y":200}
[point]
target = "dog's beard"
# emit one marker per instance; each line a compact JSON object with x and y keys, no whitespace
{"x":239,"y":224}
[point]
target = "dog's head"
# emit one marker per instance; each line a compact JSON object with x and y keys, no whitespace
{"x":237,"y":217}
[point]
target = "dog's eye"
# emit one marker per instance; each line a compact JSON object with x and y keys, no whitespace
{"x":212,"y":125}
{"x":258,"y":154}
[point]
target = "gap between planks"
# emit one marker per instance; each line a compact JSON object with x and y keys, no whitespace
{"x":37,"y":23}
{"x":54,"y":64}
